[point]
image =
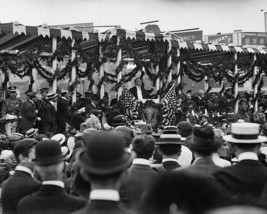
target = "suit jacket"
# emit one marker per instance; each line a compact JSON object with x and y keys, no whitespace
{"x":50,"y":199}
{"x":140,"y":176}
{"x":201,"y":166}
{"x":102,"y":207}
{"x":166,"y":166}
{"x":133,"y":90}
{"x":244,"y":180}
{"x":50,"y":113}
{"x":63,"y":114}
{"x":15,"y":188}
{"x":28,"y":115}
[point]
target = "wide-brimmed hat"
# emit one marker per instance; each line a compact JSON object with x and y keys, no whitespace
{"x":12,"y":89}
{"x":170,"y":139}
{"x":105,"y":154}
{"x":202,"y":138}
{"x":59,"y":138}
{"x":48,"y":152}
{"x":31,"y":132}
{"x":245,"y":133}
{"x":51,"y":96}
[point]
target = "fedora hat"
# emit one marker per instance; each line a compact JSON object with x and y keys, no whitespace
{"x":31,"y":132}
{"x":51,"y":96}
{"x":203,"y":138}
{"x":48,"y":152}
{"x":169,"y":139}
{"x":245,"y":133}
{"x":59,"y":138}
{"x":105,"y":154}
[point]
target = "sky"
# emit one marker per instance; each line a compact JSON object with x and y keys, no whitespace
{"x":211,"y":16}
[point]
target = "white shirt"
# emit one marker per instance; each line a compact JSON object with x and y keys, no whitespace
{"x":104,"y":194}
{"x":185,"y":157}
{"x":248,"y":156}
{"x":141,"y":161}
{"x":219,"y":161}
{"x":24,"y":169}
{"x":139,"y":93}
{"x":54,"y":182}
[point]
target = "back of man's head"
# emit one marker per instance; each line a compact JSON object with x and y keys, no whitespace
{"x":143,"y":145}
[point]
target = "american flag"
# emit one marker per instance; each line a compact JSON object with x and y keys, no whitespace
{"x":130,"y":104}
{"x":169,"y":103}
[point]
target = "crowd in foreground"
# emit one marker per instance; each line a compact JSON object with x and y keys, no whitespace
{"x":118,"y":168}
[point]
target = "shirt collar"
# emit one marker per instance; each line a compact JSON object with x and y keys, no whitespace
{"x":64,"y":98}
{"x":141,"y":161}
{"x":248,"y":156}
{"x":54,"y":182}
{"x":169,"y":159}
{"x":24,"y":169}
{"x":104,"y":194}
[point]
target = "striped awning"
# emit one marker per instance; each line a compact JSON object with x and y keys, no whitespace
{"x":18,"y":29}
{"x":134,"y":35}
{"x":218,"y":48}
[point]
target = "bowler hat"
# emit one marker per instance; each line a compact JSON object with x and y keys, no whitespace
{"x":126,"y":132}
{"x":12,"y":89}
{"x":245,"y":133}
{"x":105,"y":154}
{"x":119,"y":120}
{"x":24,"y":145}
{"x":203,"y":138}
{"x":48,"y":152}
{"x":170,"y":139}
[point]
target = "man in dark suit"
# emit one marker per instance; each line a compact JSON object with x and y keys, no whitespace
{"x":21,"y":183}
{"x":28,"y":113}
{"x":170,"y":149}
{"x":246,"y":179}
{"x":202,"y":143}
{"x":140,"y":174}
{"x":50,"y":114}
{"x":104,"y":162}
{"x":138,"y":90}
{"x":51,"y":197}
{"x":63,"y":113}
{"x":41,"y":107}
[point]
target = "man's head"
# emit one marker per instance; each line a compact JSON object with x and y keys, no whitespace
{"x":170,"y":144}
{"x":184,"y":128}
{"x":12,"y":91}
{"x":143,"y":146}
{"x":189,"y":94}
{"x":52,"y":97}
{"x":24,"y":152}
{"x":127,"y":133}
{"x":49,"y":160}
{"x":65,"y":94}
{"x":44,"y":92}
{"x":31,"y":95}
{"x":138,"y":82}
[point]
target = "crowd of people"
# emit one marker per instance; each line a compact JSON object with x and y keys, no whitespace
{"x":58,"y":158}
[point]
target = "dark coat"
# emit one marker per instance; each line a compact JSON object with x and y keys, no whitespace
{"x":15,"y":188}
{"x":166,"y":166}
{"x":202,"y":166}
{"x":49,"y":121}
{"x":50,"y":199}
{"x":244,"y":180}
{"x":139,"y":178}
{"x":102,"y":207}
{"x":28,"y":115}
{"x":63,"y":114}
{"x":133,"y":90}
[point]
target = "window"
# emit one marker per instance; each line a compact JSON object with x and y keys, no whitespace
{"x":262,"y":41}
{"x":254,"y":41}
{"x":247,"y":41}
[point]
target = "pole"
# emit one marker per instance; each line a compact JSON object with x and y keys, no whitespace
{"x":34,"y":76}
{"x":236,"y":84}
{"x":179,"y":79}
{"x":101,"y":73}
{"x":117,"y":64}
{"x":73,"y":71}
{"x":169,"y":62}
{"x":54,"y":63}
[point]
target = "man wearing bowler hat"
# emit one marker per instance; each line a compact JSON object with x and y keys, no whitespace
{"x":28,"y":113}
{"x":11,"y":110}
{"x":22,"y":182}
{"x":170,"y":148}
{"x":202,"y":143}
{"x":246,"y":179}
{"x":104,"y":163}
{"x":51,"y":197}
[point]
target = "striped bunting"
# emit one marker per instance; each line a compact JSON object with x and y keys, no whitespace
{"x":211,"y":47}
{"x":18,"y":29}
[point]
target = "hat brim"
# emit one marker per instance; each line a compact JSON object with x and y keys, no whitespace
{"x":49,"y":98}
{"x":95,"y":167}
{"x":230,"y":139}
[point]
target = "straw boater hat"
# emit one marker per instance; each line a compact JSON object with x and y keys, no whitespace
{"x":245,"y":133}
{"x":31,"y":132}
{"x":59,"y":138}
{"x":170,"y":139}
{"x":51,"y":96}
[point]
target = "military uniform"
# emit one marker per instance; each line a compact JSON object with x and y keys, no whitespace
{"x":11,"y":111}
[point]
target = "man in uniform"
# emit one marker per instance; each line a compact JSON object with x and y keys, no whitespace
{"x":11,"y":111}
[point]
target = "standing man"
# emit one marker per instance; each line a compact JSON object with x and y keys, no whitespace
{"x":138,"y":90}
{"x":51,"y":197}
{"x":28,"y":113}
{"x":21,"y":183}
{"x":41,"y":106}
{"x":50,"y":114}
{"x":11,"y":110}
{"x":63,"y":113}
